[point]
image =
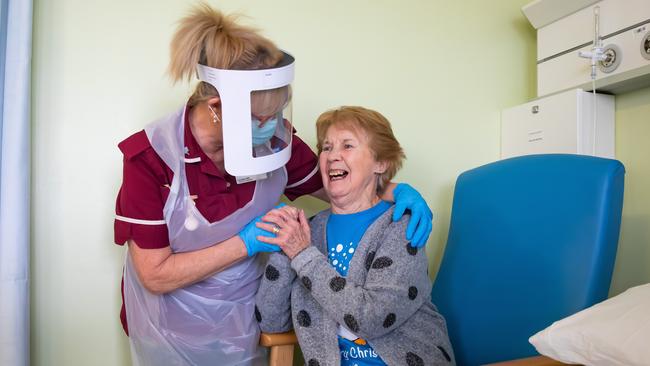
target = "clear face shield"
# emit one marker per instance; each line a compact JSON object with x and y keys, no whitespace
{"x":256,"y":116}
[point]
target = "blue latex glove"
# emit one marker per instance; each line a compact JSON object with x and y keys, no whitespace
{"x":420,"y":224}
{"x":249,"y":235}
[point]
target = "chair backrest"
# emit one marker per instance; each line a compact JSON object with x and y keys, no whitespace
{"x":532,"y":240}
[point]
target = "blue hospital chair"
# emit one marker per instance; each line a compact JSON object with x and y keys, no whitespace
{"x":532,"y":240}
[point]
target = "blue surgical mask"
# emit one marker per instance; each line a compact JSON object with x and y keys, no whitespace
{"x":263,"y":134}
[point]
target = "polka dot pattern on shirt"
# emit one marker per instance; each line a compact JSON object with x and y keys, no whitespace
{"x":340,"y":256}
{"x":258,"y":316}
{"x":306,"y":281}
{"x":369,"y":258}
{"x":271,"y":273}
{"x":337,"y":283}
{"x":413,"y":292}
{"x":414,"y":360}
{"x":390,"y":320}
{"x":303,"y":318}
{"x":382,"y":262}
{"x":411,"y":250}
{"x":444,"y":353}
{"x":351,"y":322}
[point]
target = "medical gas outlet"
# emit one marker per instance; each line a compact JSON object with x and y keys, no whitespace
{"x":585,"y":44}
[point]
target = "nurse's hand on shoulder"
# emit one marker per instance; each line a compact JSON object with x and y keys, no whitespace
{"x":250,"y":234}
{"x":420,"y":224}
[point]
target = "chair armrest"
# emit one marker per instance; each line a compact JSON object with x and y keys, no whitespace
{"x":530,"y":361}
{"x":278,"y":339}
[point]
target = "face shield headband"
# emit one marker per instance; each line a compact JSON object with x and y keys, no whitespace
{"x":235,"y":88}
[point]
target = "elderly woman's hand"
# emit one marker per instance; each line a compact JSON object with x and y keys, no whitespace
{"x":290,"y":227}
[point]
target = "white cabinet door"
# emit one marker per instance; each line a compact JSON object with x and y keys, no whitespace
{"x":561,"y":123}
{"x":547,"y":125}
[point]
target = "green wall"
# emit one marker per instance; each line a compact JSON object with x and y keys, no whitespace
{"x":633,"y":149}
{"x":441,"y":71}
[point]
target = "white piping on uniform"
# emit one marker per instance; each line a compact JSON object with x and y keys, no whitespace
{"x":303,"y":180}
{"x":141,"y":222}
{"x":193,"y":160}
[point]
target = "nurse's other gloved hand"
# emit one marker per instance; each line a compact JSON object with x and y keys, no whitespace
{"x":249,"y":235}
{"x":420,"y":224}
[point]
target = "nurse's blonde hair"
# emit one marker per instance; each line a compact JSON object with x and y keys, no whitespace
{"x":375,"y":127}
{"x":209,"y":37}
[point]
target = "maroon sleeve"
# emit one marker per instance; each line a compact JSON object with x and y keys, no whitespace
{"x":302,"y":170}
{"x":140,"y":201}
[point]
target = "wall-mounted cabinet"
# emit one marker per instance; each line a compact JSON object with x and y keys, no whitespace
{"x":568,"y":122}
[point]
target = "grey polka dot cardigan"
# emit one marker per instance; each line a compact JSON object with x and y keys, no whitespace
{"x":385,"y":298}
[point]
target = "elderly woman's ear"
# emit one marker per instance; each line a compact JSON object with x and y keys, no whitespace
{"x":380,"y":167}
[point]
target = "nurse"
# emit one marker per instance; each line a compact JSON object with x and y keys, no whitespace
{"x":194,"y":183}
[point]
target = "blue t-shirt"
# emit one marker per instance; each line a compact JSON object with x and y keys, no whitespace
{"x":343,"y":235}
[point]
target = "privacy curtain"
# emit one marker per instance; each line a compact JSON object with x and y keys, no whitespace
{"x":15,"y":71}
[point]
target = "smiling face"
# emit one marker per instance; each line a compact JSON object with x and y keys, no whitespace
{"x":349,"y":170}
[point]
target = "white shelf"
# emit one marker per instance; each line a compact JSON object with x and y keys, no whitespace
{"x":543,"y":12}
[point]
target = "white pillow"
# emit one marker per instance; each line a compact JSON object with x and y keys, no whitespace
{"x":613,"y":332}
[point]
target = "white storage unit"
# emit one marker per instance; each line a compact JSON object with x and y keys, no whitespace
{"x":566,"y":27}
{"x":560,"y":123}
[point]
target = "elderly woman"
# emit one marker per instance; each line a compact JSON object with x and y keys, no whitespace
{"x":357,"y":292}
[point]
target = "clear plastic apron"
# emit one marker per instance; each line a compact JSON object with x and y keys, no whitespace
{"x":210,"y":322}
